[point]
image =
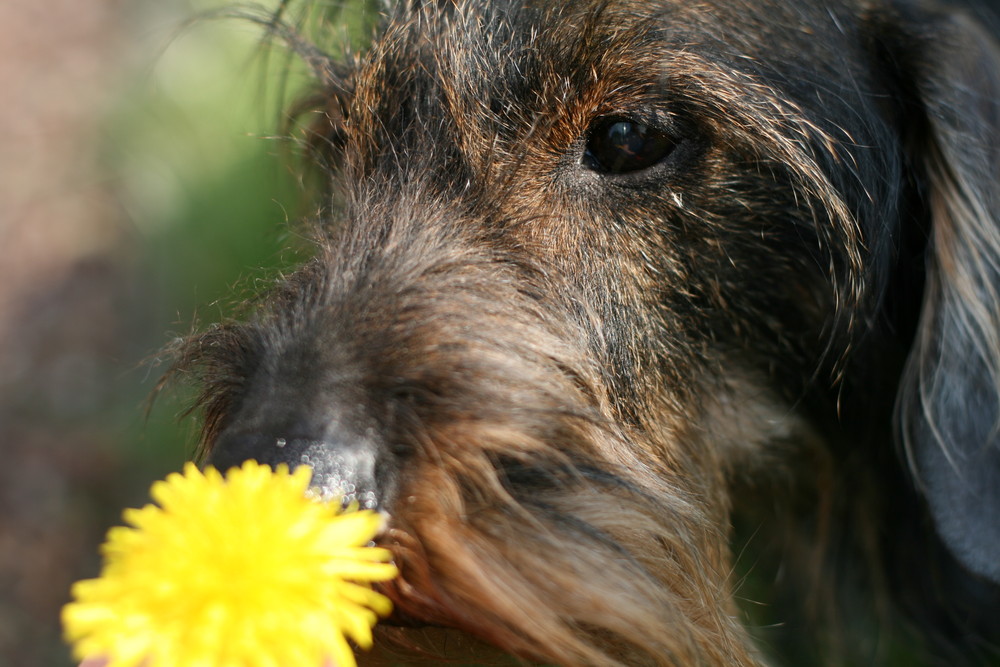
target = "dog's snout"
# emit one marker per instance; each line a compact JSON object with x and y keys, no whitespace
{"x":348,"y":470}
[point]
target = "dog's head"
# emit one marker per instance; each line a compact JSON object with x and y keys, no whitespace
{"x":586,"y":267}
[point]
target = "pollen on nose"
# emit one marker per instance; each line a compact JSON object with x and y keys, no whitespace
{"x":345,"y":471}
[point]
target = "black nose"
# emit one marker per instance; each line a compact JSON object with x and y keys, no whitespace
{"x":348,"y":472}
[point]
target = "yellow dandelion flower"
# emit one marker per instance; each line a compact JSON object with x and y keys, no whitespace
{"x":241,"y":571}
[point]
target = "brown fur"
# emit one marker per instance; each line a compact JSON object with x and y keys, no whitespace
{"x":564,"y":384}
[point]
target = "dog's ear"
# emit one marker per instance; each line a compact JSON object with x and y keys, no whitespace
{"x":949,"y":402}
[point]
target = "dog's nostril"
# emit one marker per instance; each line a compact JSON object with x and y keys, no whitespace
{"x":348,"y":473}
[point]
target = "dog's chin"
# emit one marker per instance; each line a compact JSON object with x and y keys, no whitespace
{"x":426,"y":626}
{"x":397,"y":645}
{"x":421,"y":630}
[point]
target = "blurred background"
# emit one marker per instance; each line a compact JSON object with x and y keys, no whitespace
{"x":142,"y":190}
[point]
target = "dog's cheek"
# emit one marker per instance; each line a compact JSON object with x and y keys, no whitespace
{"x":749,"y":422}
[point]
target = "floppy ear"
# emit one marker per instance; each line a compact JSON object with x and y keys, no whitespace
{"x":949,"y":403}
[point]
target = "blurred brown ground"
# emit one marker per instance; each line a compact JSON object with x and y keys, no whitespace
{"x":73,"y":312}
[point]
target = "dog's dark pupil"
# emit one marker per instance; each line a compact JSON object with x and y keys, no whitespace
{"x":618,"y":146}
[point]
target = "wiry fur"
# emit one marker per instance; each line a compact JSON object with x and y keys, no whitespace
{"x":563,"y":386}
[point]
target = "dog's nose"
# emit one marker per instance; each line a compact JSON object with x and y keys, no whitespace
{"x":345,"y":471}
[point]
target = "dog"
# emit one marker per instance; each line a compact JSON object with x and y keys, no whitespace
{"x":661,"y":332}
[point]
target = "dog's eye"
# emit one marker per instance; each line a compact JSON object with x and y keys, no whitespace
{"x":620,"y":146}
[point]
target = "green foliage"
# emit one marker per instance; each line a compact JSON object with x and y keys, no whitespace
{"x":209,"y":189}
